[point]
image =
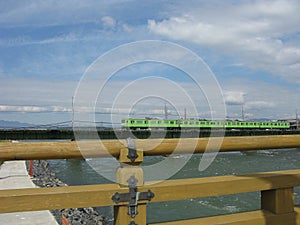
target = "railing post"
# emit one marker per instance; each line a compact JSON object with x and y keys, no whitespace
{"x":129,"y":174}
{"x":278,"y":201}
{"x":31,"y":168}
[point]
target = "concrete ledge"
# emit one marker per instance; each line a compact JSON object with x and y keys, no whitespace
{"x":13,"y":175}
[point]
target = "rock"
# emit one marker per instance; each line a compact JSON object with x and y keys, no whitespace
{"x":44,"y":177}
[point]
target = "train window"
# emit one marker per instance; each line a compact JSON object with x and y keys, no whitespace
{"x":139,"y":121}
{"x":132,"y":121}
{"x":202,"y":122}
{"x":153,"y":122}
{"x":197,"y":123}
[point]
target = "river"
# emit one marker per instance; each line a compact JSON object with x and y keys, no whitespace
{"x":79,"y":172}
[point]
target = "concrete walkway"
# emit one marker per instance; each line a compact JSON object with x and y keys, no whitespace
{"x":13,"y":175}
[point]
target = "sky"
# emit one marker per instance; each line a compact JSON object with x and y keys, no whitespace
{"x":51,"y":51}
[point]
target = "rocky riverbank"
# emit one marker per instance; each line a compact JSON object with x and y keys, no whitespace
{"x":44,"y":177}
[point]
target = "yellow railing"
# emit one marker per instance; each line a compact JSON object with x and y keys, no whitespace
{"x":91,"y":149}
{"x":130,"y":194}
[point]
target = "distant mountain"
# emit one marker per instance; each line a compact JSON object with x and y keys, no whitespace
{"x":14,"y":124}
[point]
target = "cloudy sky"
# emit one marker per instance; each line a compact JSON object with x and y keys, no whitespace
{"x":251,"y":47}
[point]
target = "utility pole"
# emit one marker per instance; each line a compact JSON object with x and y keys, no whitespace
{"x":184,"y":113}
{"x":166,"y":112}
{"x":297,"y":123}
{"x":73,"y":112}
{"x":243,"y":116}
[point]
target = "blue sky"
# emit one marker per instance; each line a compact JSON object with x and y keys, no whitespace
{"x":252,"y":48}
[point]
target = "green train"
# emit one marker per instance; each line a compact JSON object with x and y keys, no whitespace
{"x":134,"y":124}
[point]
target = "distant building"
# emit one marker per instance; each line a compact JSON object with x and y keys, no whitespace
{"x":295,"y":124}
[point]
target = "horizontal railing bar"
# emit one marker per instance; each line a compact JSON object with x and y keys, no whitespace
{"x":259,"y":217}
{"x":108,"y":148}
{"x":33,"y":199}
{"x":222,"y":185}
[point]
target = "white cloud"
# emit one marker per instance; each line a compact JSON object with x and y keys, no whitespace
{"x":26,"y":40}
{"x":127,"y":28}
{"x":259,"y":105}
{"x":32,"y":109}
{"x":108,"y":21}
{"x":234,"y":97}
{"x":255,"y":33}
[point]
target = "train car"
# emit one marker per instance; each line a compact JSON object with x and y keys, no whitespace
{"x":168,"y":124}
{"x":135,"y":123}
{"x":275,"y":125}
{"x":242,"y":125}
{"x":201,"y":124}
{"x":149,"y":123}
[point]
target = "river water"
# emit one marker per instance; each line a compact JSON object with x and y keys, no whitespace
{"x":79,"y":172}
